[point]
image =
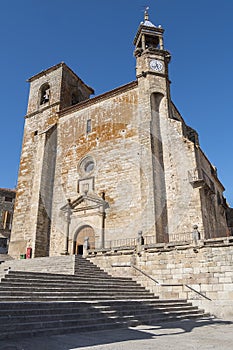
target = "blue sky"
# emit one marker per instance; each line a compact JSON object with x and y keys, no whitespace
{"x":95,"y":39}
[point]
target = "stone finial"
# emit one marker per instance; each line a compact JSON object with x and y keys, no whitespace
{"x":196,"y":234}
{"x":140,"y":238}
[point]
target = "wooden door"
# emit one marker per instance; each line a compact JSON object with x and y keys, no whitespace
{"x":86,"y":231}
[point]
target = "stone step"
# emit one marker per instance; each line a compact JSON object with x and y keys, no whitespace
{"x":21,"y":315}
{"x":171,"y":318}
{"x":88,"y":313}
{"x":85,"y":311}
{"x":93,"y":280}
{"x":49,"y":328}
{"x":99,"y":283}
{"x":96,"y":290}
{"x":35,"y":303}
{"x":80,"y":305}
{"x":72,"y":289}
{"x":74,"y":294}
{"x":150,"y":303}
{"x":9,"y":334}
{"x":148,"y":309}
{"x":28,"y":306}
{"x":19,"y":274}
{"x":82,"y":274}
{"x":16,"y":282}
{"x":84,"y":277}
{"x":159,"y":312}
{"x":49,"y":274}
{"x":64,"y":322}
{"x":68,"y":297}
{"x":40,"y":279}
{"x":157,"y":320}
{"x":90,"y":268}
{"x":97,"y":315}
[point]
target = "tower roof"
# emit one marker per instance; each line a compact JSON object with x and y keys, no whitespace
{"x":59,"y":65}
{"x":148,"y":28}
{"x":146,"y":22}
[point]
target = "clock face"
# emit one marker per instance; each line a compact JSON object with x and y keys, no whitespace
{"x":156,"y":65}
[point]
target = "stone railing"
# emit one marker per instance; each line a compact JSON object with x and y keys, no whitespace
{"x":175,"y":239}
{"x":127,"y":242}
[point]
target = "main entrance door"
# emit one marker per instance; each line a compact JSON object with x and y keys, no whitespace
{"x":85,"y":231}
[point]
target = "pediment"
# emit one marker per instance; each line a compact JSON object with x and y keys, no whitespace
{"x":86,"y":202}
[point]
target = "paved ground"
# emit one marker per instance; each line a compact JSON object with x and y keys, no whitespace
{"x":184,"y":335}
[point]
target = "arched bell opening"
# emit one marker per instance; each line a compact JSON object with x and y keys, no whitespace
{"x":44,"y":94}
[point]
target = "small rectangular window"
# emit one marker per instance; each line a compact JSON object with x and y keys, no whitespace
{"x":88,"y":126}
{"x":3,"y":243}
{"x":8,"y":199}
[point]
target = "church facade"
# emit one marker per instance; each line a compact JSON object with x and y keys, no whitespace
{"x":114,"y":165}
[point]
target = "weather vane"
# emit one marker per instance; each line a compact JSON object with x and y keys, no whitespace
{"x":146,"y":15}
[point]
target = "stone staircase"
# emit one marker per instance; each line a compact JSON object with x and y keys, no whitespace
{"x":33,"y":303}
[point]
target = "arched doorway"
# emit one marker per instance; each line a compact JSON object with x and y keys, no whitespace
{"x":82,"y":233}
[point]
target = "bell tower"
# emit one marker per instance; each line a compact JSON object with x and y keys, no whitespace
{"x":151,"y":57}
{"x":51,"y":91}
{"x":154,"y":96}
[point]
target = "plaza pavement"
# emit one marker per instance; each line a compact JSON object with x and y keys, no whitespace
{"x":205,"y":334}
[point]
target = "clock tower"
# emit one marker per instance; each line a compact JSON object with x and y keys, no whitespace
{"x":152,"y":59}
{"x":155,"y":105}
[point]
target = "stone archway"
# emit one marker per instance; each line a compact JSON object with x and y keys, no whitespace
{"x":81,"y":234}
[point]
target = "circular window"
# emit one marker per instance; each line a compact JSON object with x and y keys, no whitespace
{"x":87,"y":165}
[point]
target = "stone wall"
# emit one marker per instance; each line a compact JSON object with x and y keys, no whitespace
{"x":212,"y":200}
{"x":113,"y":146}
{"x":7,"y":200}
{"x":202,"y":274}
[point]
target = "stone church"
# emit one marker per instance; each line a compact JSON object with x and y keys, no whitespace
{"x":113,"y":165}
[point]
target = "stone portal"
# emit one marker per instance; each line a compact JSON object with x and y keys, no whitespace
{"x":79,"y":238}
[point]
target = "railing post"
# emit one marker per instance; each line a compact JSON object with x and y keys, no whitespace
{"x":140,"y":242}
{"x":196,"y":235}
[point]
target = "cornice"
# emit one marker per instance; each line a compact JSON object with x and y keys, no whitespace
{"x":41,"y":110}
{"x":99,"y":98}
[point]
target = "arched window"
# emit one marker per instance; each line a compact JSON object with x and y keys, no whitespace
{"x":86,"y":166}
{"x":44,"y":94}
{"x":74,"y":99}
